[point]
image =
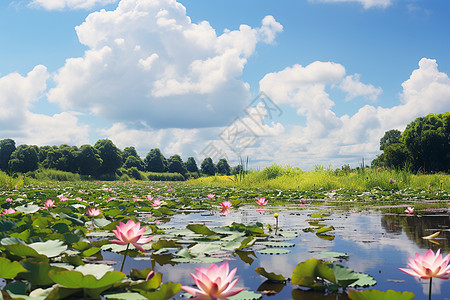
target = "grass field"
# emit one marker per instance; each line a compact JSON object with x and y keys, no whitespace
{"x":283,"y":178}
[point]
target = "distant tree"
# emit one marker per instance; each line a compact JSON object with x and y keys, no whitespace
{"x":89,"y":160}
{"x":223,"y":167}
{"x":208,"y":167}
{"x":133,"y":162}
{"x":191,"y":165}
{"x":7,"y":147}
{"x":43,"y":151}
{"x":67,"y":160}
{"x":378,"y":162}
{"x":131,"y":159}
{"x":428,"y":142}
{"x":129,"y":151}
{"x":176,"y":165}
{"x":155,"y":161}
{"x":390,"y":137}
{"x":238,"y":169}
{"x":396,"y":156}
{"x":110,"y":155}
{"x":24,"y":159}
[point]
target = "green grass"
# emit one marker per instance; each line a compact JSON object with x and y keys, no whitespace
{"x":285,"y":178}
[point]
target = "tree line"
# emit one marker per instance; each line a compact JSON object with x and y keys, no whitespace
{"x":103,"y":161}
{"x":424,"y":146}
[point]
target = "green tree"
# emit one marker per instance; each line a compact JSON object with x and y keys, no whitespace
{"x":223,"y":167}
{"x":428,"y":142}
{"x":208,"y":167}
{"x":191,"y":165}
{"x":131,"y":159}
{"x":133,"y":162}
{"x":155,"y":161}
{"x":390,"y":137}
{"x":24,"y":159}
{"x":89,"y":160}
{"x":176,"y":165}
{"x":7,"y":147}
{"x":396,"y":156}
{"x":67,"y":158}
{"x":110,"y":155}
{"x":129,"y":151}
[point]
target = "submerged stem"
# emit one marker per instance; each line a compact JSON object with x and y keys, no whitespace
{"x":429,"y":292}
{"x":124,"y":257}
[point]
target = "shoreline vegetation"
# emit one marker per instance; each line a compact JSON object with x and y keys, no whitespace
{"x":275,"y":177}
{"x":361,"y":179}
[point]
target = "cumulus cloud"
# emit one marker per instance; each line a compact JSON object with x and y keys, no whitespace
{"x":327,"y":138}
{"x":354,"y":88}
{"x":149,"y":65}
{"x":68,"y":4}
{"x":17,"y":95}
{"x":365,"y":3}
{"x":17,"y":92}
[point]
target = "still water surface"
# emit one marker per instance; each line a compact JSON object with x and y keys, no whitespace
{"x":376,"y":243}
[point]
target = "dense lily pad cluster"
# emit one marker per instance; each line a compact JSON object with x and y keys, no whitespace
{"x":53,"y":237}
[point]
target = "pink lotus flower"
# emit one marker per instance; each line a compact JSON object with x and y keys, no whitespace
{"x":149,"y":197}
{"x":226,"y":204}
{"x":79,"y":199}
{"x":49,"y":203}
{"x":409,"y":210}
{"x":130,"y":233}
{"x":303,"y":200}
{"x":391,"y":181}
{"x":210,"y":196}
{"x":8,"y":211}
{"x":9,"y":199}
{"x":156,"y":203}
{"x":111,"y":199}
{"x":429,"y":265}
{"x":225,"y":211}
{"x":63,"y":198}
{"x":262,"y":201}
{"x":213,"y":282}
{"x":137,"y":199}
{"x":150,"y":275}
{"x":93,"y":212}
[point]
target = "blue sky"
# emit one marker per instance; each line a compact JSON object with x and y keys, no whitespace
{"x":180,"y":76}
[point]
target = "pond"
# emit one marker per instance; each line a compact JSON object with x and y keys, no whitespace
{"x":372,"y":242}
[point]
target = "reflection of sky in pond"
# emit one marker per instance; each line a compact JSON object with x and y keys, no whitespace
{"x":376,"y":244}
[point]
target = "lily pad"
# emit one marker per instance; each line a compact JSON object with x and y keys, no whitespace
{"x":10,"y":269}
{"x":86,"y":276}
{"x":379,"y":295}
{"x":274,"y":251}
{"x":245,"y":295}
{"x":270,"y":275}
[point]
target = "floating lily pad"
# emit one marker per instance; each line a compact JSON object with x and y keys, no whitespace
{"x":333,"y":254}
{"x":274,"y":251}
{"x":270,"y":275}
{"x":379,"y":295}
{"x":245,"y":295}
{"x":10,"y":269}
{"x":276,"y":244}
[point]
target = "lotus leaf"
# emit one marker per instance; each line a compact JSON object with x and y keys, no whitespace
{"x":379,"y":295}
{"x":10,"y":269}
{"x":270,"y":275}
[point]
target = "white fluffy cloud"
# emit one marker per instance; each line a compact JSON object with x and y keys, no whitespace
{"x":149,"y":65}
{"x":327,"y":138}
{"x":354,"y":88}
{"x":365,"y":3}
{"x":17,"y":95}
{"x":68,"y":4}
